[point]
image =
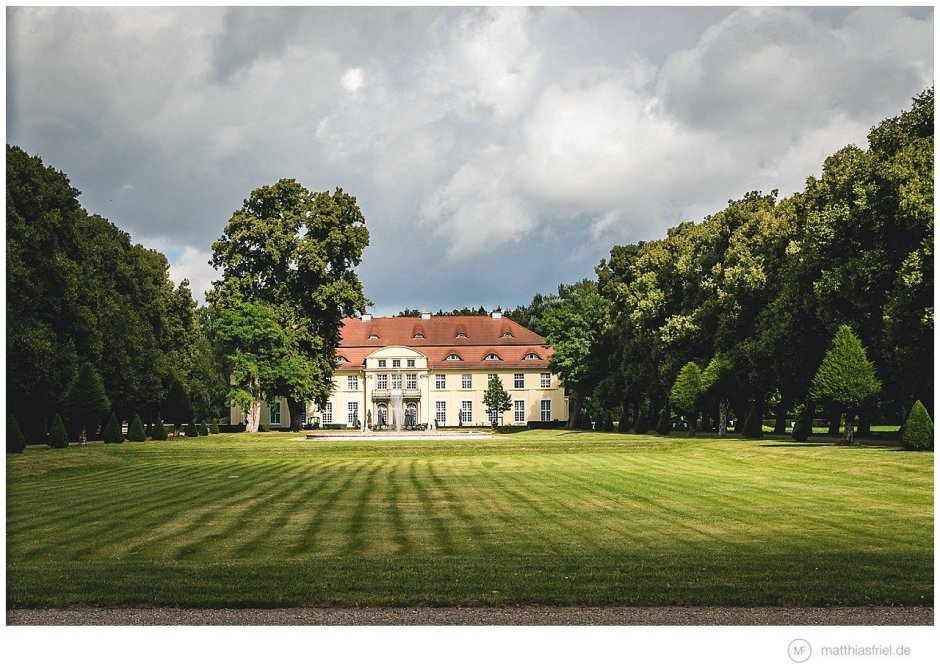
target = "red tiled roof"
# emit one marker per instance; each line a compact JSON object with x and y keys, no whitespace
{"x":484,"y":336}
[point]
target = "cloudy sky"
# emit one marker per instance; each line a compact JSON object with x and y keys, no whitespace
{"x":494,"y":152}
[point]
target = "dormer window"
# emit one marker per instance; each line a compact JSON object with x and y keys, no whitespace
{"x":492,"y":358}
{"x":341,"y":360}
{"x":373,"y":337}
{"x":532,"y":355}
{"x":418,"y":336}
{"x":507,"y":334}
{"x":460,"y":334}
{"x":453,"y":358}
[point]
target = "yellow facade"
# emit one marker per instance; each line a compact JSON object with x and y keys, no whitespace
{"x":450,"y":397}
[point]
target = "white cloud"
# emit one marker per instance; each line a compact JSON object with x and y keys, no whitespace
{"x":193,"y":264}
{"x":352,"y":79}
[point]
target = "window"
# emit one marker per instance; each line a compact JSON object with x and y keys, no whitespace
{"x":410,"y":363}
{"x":466,"y":411}
{"x":396,"y":381}
{"x":492,"y":358}
{"x":353,"y":416}
{"x":492,"y":415}
{"x":381,"y":381}
{"x":411,"y":381}
{"x":341,"y":360}
{"x":328,"y":413}
{"x":440,"y":412}
{"x":546,"y":410}
{"x":466,"y":381}
{"x":373,"y":337}
{"x":532,"y":355}
{"x":396,"y":363}
{"x":545,"y":379}
{"x":381,"y":363}
{"x":518,"y":410}
{"x":419,"y":336}
{"x":411,"y":415}
{"x":518,"y":380}
{"x":506,"y":334}
{"x":352,"y":383}
{"x":490,"y":377}
{"x":460,"y":334}
{"x":274,"y":410}
{"x":439,"y":383}
{"x":452,"y":358}
{"x":382,"y":411}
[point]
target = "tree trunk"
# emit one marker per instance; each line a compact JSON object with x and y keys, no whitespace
{"x":253,"y":419}
{"x":82,"y":435}
{"x":849,"y":436}
{"x":723,"y":418}
{"x":296,"y":409}
{"x":835,"y":419}
{"x":575,"y":410}
{"x":780,"y":423}
{"x":864,"y":422}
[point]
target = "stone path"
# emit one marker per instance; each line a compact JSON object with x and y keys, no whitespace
{"x":532,"y":615}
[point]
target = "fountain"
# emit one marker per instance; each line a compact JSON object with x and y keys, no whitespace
{"x":395,"y":409}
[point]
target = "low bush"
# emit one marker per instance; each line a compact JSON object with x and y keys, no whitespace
{"x":664,"y":424}
{"x":58,"y":437}
{"x":803,"y":428}
{"x":15,"y":441}
{"x":136,"y":431}
{"x":917,"y":430}
{"x":159,"y":432}
{"x":112,"y":431}
{"x":754,"y":423}
{"x":191,"y":429}
{"x":214,"y":427}
{"x":202,"y":429}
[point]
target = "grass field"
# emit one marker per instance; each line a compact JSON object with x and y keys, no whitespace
{"x":547,"y":517}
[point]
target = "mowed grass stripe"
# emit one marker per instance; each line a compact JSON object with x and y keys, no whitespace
{"x":316,"y":517}
{"x":430,"y":512}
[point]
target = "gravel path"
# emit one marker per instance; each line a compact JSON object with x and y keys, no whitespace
{"x":534,"y":615}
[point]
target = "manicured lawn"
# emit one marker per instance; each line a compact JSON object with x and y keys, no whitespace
{"x":535,"y":517}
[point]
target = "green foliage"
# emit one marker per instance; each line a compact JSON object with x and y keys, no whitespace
{"x":687,"y":390}
{"x":112,"y":431}
{"x":58,"y":436}
{"x":136,"y":431}
{"x":214,"y":427}
{"x":803,"y":427}
{"x":753,"y":427}
{"x":608,"y":421}
{"x":263,"y":427}
{"x":177,"y":409}
{"x":845,"y":379}
{"x":917,"y":431}
{"x":191,"y":429}
{"x":159,"y":431}
{"x":202,"y":429}
{"x":664,"y":424}
{"x":86,"y":402}
{"x":496,"y":398}
{"x":15,"y":441}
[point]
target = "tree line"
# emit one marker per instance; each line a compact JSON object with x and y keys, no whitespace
{"x":757,"y":292}
{"x":82,"y":296}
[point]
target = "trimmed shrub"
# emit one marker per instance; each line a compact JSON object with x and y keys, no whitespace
{"x":58,"y":437}
{"x":754,"y":422}
{"x":15,"y":441}
{"x":112,"y":431}
{"x":642,"y":420}
{"x":214,"y":427}
{"x":264,"y":428}
{"x":917,"y":430}
{"x":136,"y":431}
{"x":608,"y":422}
{"x":86,"y":401}
{"x":803,"y":428}
{"x":664,"y":425}
{"x":177,"y":408}
{"x":159,"y":431}
{"x":202,"y":429}
{"x":191,"y":429}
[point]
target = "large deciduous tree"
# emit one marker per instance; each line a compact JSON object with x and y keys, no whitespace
{"x":687,"y":392}
{"x":574,"y":331}
{"x":845,"y":379}
{"x":295,"y":251}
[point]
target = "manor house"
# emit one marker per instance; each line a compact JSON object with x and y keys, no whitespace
{"x":433,"y":367}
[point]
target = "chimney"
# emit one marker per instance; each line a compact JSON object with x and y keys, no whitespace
{"x":425,"y":316}
{"x":496,"y":315}
{"x":366,"y":317}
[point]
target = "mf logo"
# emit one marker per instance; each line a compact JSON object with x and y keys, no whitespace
{"x":799,"y":651}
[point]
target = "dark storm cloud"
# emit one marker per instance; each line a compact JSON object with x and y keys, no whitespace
{"x":495,"y":152}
